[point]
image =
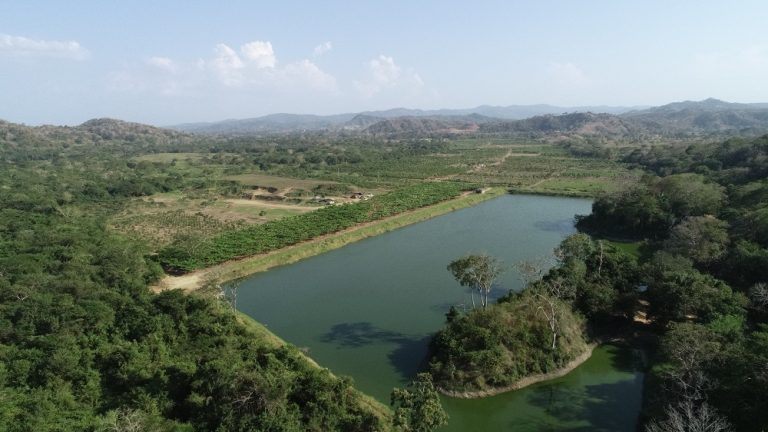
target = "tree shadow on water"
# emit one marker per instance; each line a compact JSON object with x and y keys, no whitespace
{"x":408,"y":357}
{"x":605,"y":407}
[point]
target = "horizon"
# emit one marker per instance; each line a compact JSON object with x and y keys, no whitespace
{"x":174,"y":63}
{"x":629,"y":108}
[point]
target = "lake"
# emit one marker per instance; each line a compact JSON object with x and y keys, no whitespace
{"x":367,"y":311}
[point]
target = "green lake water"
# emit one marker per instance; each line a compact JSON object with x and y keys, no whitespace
{"x":367,"y":311}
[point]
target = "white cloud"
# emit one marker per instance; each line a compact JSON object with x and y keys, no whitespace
{"x":260,"y":53}
{"x":254,"y":67}
{"x":227,"y":66}
{"x":322,"y":49}
{"x":384,"y":74}
{"x":307,"y":72}
{"x":163,"y":63}
{"x":384,"y":70}
{"x":26,"y":47}
{"x":568,"y":74}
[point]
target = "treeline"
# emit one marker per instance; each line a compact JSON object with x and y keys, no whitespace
{"x":705,"y":268}
{"x":256,"y":239}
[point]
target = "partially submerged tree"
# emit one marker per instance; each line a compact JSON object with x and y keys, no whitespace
{"x":417,"y":408}
{"x":478,"y":272}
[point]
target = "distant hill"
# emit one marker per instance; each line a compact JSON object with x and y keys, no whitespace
{"x":96,"y":132}
{"x":420,"y":126}
{"x":282,"y":123}
{"x":605,"y":125}
{"x":107,"y":128}
{"x":710,"y":116}
{"x":267,"y":124}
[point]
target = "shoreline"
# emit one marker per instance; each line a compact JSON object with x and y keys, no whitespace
{"x":260,"y":332}
{"x":525,"y":381}
{"x":243,"y":267}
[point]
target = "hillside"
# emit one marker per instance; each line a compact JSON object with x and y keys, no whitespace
{"x":281,"y":123}
{"x":105,"y":134}
{"x":710,"y":116}
{"x":605,"y":125}
{"x":421,"y":126}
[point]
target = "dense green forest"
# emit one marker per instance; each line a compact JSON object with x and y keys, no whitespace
{"x":84,"y":345}
{"x":705,"y":265}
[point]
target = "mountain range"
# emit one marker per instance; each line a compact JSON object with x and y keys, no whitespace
{"x":308,"y":122}
{"x":688,"y":118}
{"x":710,"y":117}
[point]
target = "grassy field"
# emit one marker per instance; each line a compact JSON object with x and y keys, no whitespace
{"x":161,"y":218}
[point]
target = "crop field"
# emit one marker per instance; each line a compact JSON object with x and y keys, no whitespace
{"x":164,"y":218}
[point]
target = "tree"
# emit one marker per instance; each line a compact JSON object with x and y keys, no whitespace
{"x":417,"y":408}
{"x":759,"y":295}
{"x":691,"y":295}
{"x":478,"y":272}
{"x":548,"y":307}
{"x":703,"y":239}
{"x":689,"y":417}
{"x":691,"y":195}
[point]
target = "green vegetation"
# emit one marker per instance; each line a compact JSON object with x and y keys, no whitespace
{"x":417,"y":408}
{"x":543,"y":328}
{"x":705,"y":280}
{"x":478,"y":272}
{"x":494,"y":347}
{"x":85,"y":346}
{"x":181,"y":257}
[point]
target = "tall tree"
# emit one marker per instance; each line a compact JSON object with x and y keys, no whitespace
{"x":478,"y":272}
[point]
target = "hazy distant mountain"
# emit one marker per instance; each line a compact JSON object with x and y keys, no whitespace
{"x":267,"y":124}
{"x":710,"y":116}
{"x":445,"y":124}
{"x":276,"y":123}
{"x":679,"y":119}
{"x":605,"y":125}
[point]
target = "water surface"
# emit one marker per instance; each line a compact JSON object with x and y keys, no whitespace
{"x":367,"y":310}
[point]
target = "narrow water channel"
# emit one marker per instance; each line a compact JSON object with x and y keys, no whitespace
{"x":367,"y":311}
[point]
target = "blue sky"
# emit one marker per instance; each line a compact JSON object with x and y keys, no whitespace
{"x":169,"y":62}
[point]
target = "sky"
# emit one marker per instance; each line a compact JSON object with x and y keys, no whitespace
{"x":171,"y":62}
